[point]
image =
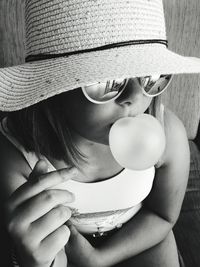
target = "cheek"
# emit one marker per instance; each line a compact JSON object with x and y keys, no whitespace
{"x":101,"y":115}
{"x":97,"y":118}
{"x":95,"y":121}
{"x":140,"y":106}
{"x":89,"y":120}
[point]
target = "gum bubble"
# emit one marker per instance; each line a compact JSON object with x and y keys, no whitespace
{"x":137,"y":143}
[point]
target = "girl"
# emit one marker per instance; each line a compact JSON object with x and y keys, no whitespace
{"x":54,"y":140}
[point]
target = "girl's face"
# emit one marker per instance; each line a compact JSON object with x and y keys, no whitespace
{"x":93,"y":121}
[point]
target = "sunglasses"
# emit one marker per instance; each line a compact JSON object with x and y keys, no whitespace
{"x":103,"y":92}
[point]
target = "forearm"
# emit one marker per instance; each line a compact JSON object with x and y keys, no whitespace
{"x":142,"y":232}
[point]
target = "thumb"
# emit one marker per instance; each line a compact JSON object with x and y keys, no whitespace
{"x":73,"y":231}
{"x":40,"y":168}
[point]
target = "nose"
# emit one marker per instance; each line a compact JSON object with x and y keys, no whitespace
{"x":131,"y":94}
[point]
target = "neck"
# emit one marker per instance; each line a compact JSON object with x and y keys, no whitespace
{"x":99,"y":163}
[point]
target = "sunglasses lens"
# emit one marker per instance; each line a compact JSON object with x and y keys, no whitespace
{"x":104,"y":91}
{"x":156,"y":84}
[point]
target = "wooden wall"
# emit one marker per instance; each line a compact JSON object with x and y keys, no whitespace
{"x":11,"y":32}
{"x":183,"y":30}
{"x":182,"y":21}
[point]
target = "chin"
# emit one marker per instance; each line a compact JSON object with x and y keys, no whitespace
{"x":100,"y":137}
{"x":103,"y":139}
{"x":106,"y":142}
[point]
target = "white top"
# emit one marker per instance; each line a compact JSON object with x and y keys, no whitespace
{"x":125,"y":190}
{"x":103,"y":204}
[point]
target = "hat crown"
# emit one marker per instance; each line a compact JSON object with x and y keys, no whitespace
{"x":64,"y":26}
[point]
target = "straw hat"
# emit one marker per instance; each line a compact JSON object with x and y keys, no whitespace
{"x":70,"y":43}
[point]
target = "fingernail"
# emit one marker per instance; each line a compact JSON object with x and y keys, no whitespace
{"x":75,"y":212}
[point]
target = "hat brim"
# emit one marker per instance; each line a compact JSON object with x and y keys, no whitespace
{"x":30,"y":83}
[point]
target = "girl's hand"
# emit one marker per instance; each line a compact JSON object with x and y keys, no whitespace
{"x":36,"y":215}
{"x":80,"y":252}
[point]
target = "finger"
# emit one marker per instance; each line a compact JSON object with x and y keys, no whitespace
{"x":74,"y":235}
{"x":51,"y":221}
{"x":41,"y":204}
{"x":56,"y":241}
{"x":40,"y":168}
{"x":45,"y":181}
{"x":72,"y":228}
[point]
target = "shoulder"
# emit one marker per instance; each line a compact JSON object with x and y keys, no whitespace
{"x":171,"y":177}
{"x":177,"y":147}
{"x":14,"y":169}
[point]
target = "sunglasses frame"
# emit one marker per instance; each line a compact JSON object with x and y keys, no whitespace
{"x":106,"y":101}
{"x":159,"y":93}
{"x":122,"y":89}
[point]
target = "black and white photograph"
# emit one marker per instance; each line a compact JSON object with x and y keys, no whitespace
{"x":99,"y":133}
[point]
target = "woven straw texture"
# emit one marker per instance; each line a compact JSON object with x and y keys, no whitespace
{"x":61,"y":26}
{"x":58,"y":26}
